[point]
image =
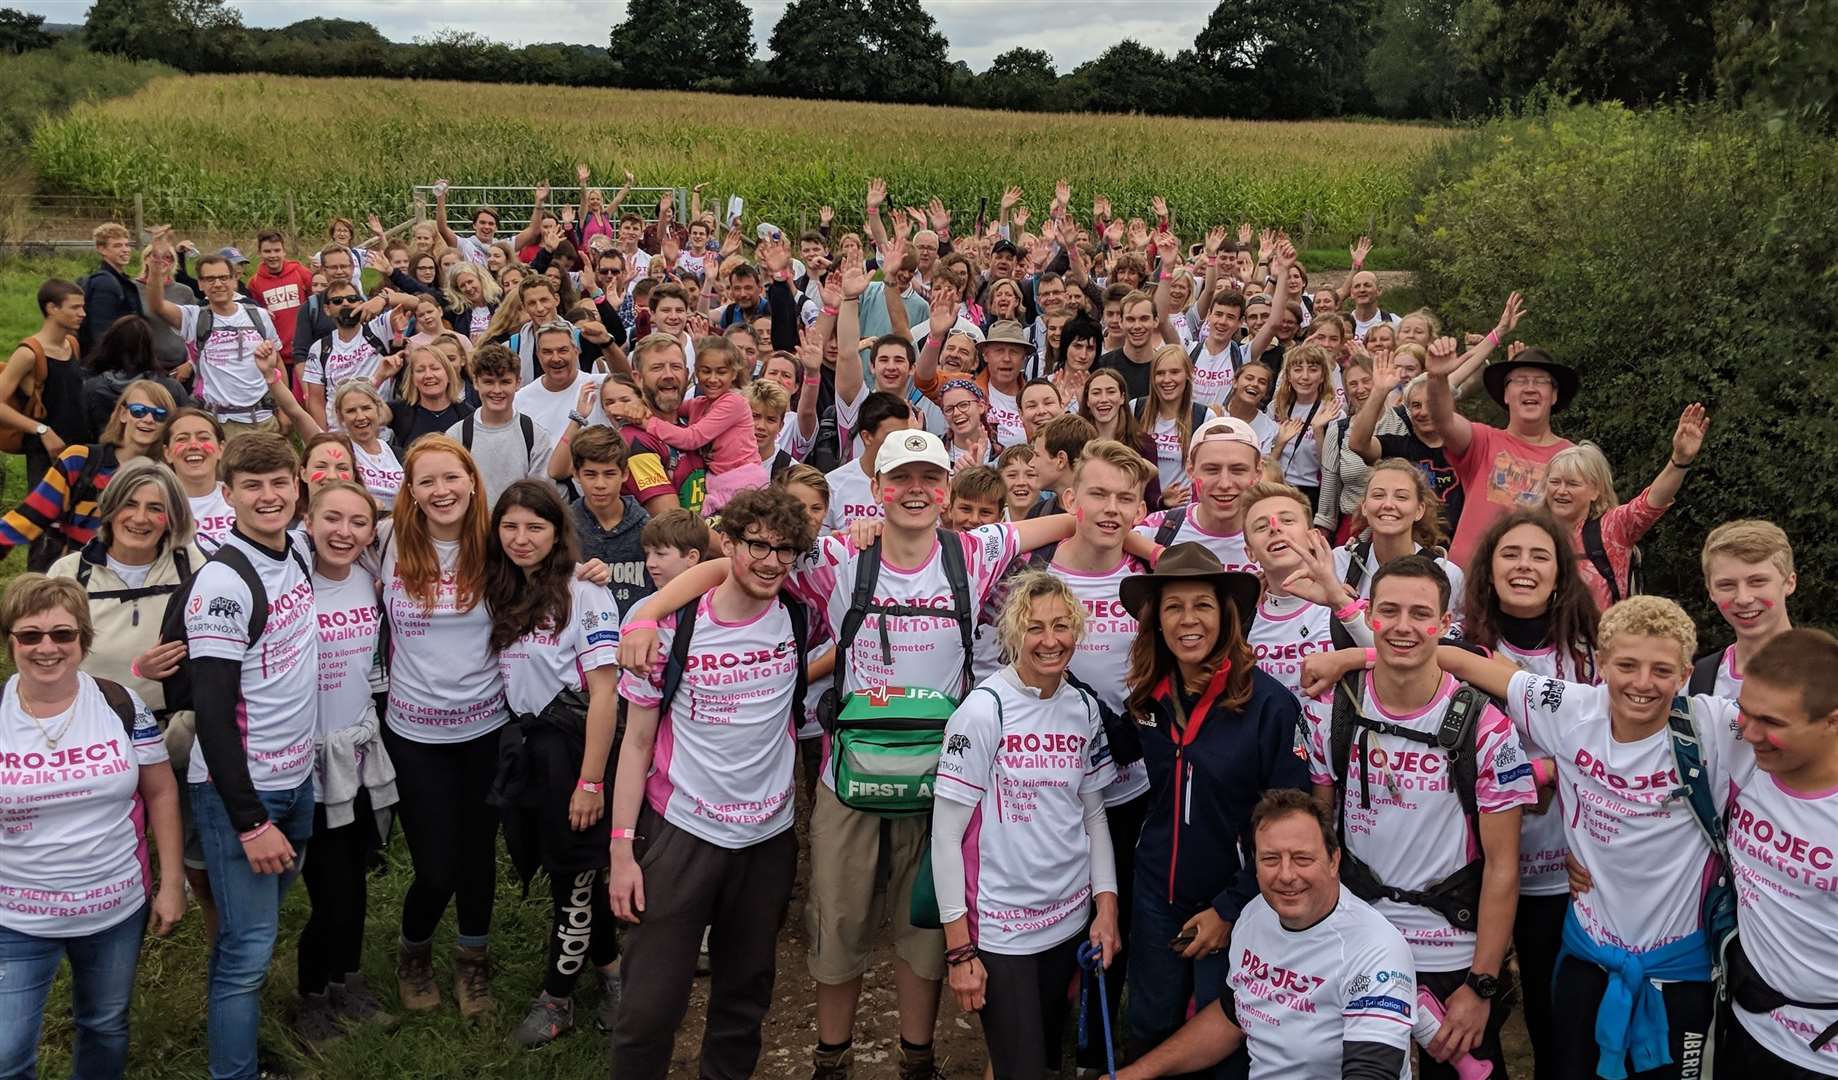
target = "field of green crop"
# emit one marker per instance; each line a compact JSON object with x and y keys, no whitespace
{"x":231,"y":149}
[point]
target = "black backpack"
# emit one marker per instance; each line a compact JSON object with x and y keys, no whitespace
{"x":1704,"y":674}
{"x":324,"y":343}
{"x":119,"y":702}
{"x":1456,"y":897}
{"x":523,"y":421}
{"x":172,"y":626}
{"x":1597,"y":554}
{"x":207,"y":321}
{"x":1170,"y":527}
{"x":678,"y":663}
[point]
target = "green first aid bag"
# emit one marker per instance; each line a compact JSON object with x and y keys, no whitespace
{"x":885,"y":743}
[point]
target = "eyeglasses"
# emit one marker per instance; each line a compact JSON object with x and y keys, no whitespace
{"x":960,"y":407}
{"x":785,"y":553}
{"x":207,"y":279}
{"x":140,"y":412}
{"x":331,"y":300}
{"x":1531,"y":380}
{"x":63,"y":635}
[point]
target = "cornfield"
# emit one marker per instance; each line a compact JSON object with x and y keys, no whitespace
{"x":242,"y":145}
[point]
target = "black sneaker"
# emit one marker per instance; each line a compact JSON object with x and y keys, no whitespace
{"x":315,"y":1021}
{"x":612,"y":992}
{"x":353,"y":1000}
{"x":831,"y":1066}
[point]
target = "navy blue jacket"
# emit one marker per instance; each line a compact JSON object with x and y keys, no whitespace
{"x":1202,"y":789}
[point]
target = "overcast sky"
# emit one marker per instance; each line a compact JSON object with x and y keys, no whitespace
{"x":1074,"y":31}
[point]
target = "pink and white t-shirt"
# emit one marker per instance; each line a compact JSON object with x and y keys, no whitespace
{"x":443,"y":685}
{"x":228,"y":379}
{"x":1782,"y":845}
{"x":925,"y":652}
{"x":721,"y":768}
{"x":1213,"y":372}
{"x":1229,"y":547}
{"x":380,"y":472}
{"x":1729,"y":678}
{"x":1542,"y":843}
{"x":1102,"y":661}
{"x":1289,"y":629}
{"x":543,"y":663}
{"x":350,"y":624}
{"x":277,"y":712}
{"x":333,"y":360}
{"x":1023,"y":762}
{"x":1301,"y":995}
{"x":1005,"y":417}
{"x":214,"y":516}
{"x":1415,"y":833}
{"x":1649,"y":858}
{"x":73,"y":853}
{"x":851,"y":498}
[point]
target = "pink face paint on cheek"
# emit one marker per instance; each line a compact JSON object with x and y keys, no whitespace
{"x":889,"y":496}
{"x":940,"y":496}
{"x":1772,"y":740}
{"x":208,"y":447}
{"x":1765,"y":602}
{"x":1378,"y":627}
{"x":315,"y":476}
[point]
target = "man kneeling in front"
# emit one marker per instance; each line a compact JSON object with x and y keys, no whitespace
{"x":1322,"y":987}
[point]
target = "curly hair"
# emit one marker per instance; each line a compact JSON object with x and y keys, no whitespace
{"x":1025,"y":588}
{"x":1650,"y":616}
{"x":773,"y":511}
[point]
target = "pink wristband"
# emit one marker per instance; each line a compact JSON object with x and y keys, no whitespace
{"x":831,"y":311}
{"x":134,"y":669}
{"x":640,"y":624}
{"x":255,"y":832}
{"x":1541,"y":773}
{"x":1350,"y":610}
{"x":1371,"y":659}
{"x":622,"y":834}
{"x":1493,"y":336}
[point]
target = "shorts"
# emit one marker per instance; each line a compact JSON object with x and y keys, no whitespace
{"x":181,"y":735}
{"x":233,"y":428}
{"x":844,"y":913}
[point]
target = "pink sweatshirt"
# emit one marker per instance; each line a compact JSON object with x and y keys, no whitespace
{"x":724,"y":426}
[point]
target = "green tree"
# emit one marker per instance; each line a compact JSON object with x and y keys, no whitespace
{"x":676,"y":44}
{"x":1021,"y":79}
{"x":888,"y":50}
{"x":1128,"y":77}
{"x":1780,"y":58}
{"x":193,"y":35}
{"x":1632,"y":51}
{"x":331,"y":31}
{"x":1423,"y":62}
{"x":1285,"y":58}
{"x":21,"y":32}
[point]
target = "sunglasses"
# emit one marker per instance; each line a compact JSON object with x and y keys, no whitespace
{"x":341,"y":300}
{"x":140,"y":412}
{"x":63,"y":635}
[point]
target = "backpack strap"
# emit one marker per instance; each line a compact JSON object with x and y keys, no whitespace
{"x":529,"y":432}
{"x":951,"y":550}
{"x":867,"y":575}
{"x":1356,"y":565}
{"x":1694,"y":777}
{"x":678,"y":663}
{"x":466,"y":432}
{"x":1170,"y":527}
{"x":800,"y":641}
{"x":120,"y":701}
{"x":41,"y":370}
{"x":1704,"y":674}
{"x":1455,"y":738}
{"x":1597,"y":553}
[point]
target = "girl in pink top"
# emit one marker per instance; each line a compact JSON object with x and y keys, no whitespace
{"x":720,"y":426}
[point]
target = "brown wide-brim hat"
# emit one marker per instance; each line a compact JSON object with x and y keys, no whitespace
{"x":1568,"y":381}
{"x":1191,"y":562}
{"x":1004,"y":332}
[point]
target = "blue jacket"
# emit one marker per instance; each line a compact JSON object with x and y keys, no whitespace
{"x":1203,"y":786}
{"x":1632,"y":1016}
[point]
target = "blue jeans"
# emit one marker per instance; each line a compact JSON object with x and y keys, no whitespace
{"x":1161,"y":983}
{"x":249,"y":907}
{"x":101,"y":986}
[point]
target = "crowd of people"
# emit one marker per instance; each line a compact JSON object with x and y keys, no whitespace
{"x":1109,"y":597}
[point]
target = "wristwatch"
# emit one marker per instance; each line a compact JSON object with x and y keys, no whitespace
{"x":40,"y":430}
{"x":1484,"y":986}
{"x":577,"y":418}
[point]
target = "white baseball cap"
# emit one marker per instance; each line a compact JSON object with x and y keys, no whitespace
{"x":1224,"y":429}
{"x":907,"y":447}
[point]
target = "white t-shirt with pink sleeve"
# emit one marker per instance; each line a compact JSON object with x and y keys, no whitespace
{"x":1102,"y":661}
{"x":1543,"y":846}
{"x":923,"y":651}
{"x":544,"y":662}
{"x":1229,"y":547}
{"x":1415,"y":833}
{"x":444,"y":686}
{"x":721,"y":766}
{"x":73,"y":850}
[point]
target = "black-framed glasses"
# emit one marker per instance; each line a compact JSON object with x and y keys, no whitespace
{"x":785,"y":553}
{"x":62,"y":635}
{"x":334,"y":300}
{"x":140,"y":411}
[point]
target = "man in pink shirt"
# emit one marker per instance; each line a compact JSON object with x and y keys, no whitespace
{"x":1498,"y":469}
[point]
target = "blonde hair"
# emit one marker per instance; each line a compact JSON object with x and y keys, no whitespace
{"x":808,"y":475}
{"x":116,"y":432}
{"x":450,"y":286}
{"x":104,"y":233}
{"x":1025,"y":588}
{"x":1317,"y":355}
{"x":1648,"y":616}
{"x":1585,"y":461}
{"x":768,"y":395}
{"x":1429,"y":318}
{"x":411,"y":393}
{"x":360,"y":386}
{"x":1427,"y":530}
{"x":1411,"y":349}
{"x":1117,"y":456}
{"x":1271,"y":489}
{"x":1750,"y":540}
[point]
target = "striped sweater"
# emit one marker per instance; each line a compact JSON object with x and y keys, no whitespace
{"x":55,"y":506}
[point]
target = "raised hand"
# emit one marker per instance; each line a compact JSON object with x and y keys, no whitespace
{"x":854,"y":276}
{"x":629,"y":178}
{"x":1444,"y":358}
{"x":377,"y":261}
{"x":664,"y":203}
{"x":1215,"y":239}
{"x":944,"y":310}
{"x":810,"y":347}
{"x":1515,"y":349}
{"x":668,"y":249}
{"x":1021,"y":217}
{"x":730,"y":243}
{"x":1266,"y":241}
{"x":774,"y":255}
{"x":825,"y":215}
{"x":1509,"y":316}
{"x":568,"y":215}
{"x":939,"y":216}
{"x":1159,"y":205}
{"x":1167,"y":246}
{"x":1385,"y":377}
{"x":1693,"y":425}
{"x":542,"y":191}
{"x":1244,"y":234}
{"x":877,"y":193}
{"x":1315,"y":580}
{"x":1360,"y":249}
{"x":1287,"y":431}
{"x":440,"y":187}
{"x":1113,"y":233}
{"x":581,"y":173}
{"x":1139,"y":233}
{"x":1100,"y":208}
{"x":1011,"y":196}
{"x":1062,"y":192}
{"x":375,"y":223}
{"x":831,"y":290}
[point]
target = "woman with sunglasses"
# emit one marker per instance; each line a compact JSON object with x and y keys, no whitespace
{"x":64,"y":502}
{"x":556,"y":639}
{"x":76,"y":843}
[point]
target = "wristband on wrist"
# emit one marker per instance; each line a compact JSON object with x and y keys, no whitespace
{"x":1541,"y":772}
{"x":255,"y":832}
{"x":831,"y":310}
{"x":640,"y":624}
{"x":134,"y":669}
{"x":1493,"y":336}
{"x":1353,"y":608}
{"x":813,"y":380}
{"x":963,"y":954}
{"x":1686,"y":467}
{"x":1371,"y":659}
{"x":623,"y":834}
{"x":592,"y":787}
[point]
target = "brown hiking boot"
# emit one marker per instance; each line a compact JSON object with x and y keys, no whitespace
{"x":472,"y":982}
{"x":415,"y":976}
{"x":919,"y":1065}
{"x":830,"y":1066}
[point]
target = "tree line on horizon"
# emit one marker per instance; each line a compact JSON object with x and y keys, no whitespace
{"x":1253,"y":59}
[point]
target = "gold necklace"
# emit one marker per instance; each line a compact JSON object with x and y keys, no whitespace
{"x":51,"y":740}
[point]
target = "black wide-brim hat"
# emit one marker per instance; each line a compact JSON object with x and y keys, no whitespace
{"x":1567,"y":380}
{"x":1191,"y":562}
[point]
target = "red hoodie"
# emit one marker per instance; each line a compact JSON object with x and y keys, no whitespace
{"x":283,"y":294}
